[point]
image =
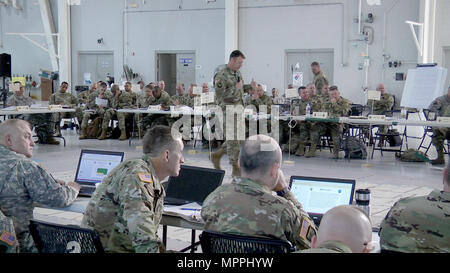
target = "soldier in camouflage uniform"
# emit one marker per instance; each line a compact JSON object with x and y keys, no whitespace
{"x":419,"y":224}
{"x":127,"y":207}
{"x":260,"y":98}
{"x":24,"y":183}
{"x":320,"y":80}
{"x":336,"y":107}
{"x":380,"y":107}
{"x":64,"y":98}
{"x":99,"y":110}
{"x":440,"y":106}
{"x":228,"y":84}
{"x":83,"y":97}
{"x":133,"y":95}
{"x":304,"y":127}
{"x":18,"y":99}
{"x":143,"y":101}
{"x":247,"y":206}
{"x":8,"y":240}
{"x":120,"y":100}
{"x":160,"y":98}
{"x":180,"y":98}
{"x":343,"y":229}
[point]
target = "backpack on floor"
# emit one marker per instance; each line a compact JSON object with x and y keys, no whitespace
{"x":354,"y":148}
{"x":94,"y":129}
{"x":412,"y":155}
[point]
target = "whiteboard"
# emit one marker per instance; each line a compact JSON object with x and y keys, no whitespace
{"x":422,"y":86}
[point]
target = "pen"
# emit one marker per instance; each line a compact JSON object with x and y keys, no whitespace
{"x":189,"y":209}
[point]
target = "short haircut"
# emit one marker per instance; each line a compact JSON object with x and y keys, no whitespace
{"x":10,"y":127}
{"x":115,"y":87}
{"x":301,"y":88}
{"x":315,"y":64}
{"x":149,"y":86}
{"x":128,"y":83}
{"x":334,"y":87}
{"x":236,"y":54}
{"x":157,"y":88}
{"x":103,"y":84}
{"x":17,"y":82}
{"x":254,"y":159}
{"x":159,"y":139}
{"x":64,"y":83}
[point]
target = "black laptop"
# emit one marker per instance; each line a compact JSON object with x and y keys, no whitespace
{"x":193,"y":184}
{"x":318,"y":195}
{"x":93,"y":166}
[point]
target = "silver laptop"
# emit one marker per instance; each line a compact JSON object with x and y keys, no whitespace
{"x":93,"y":166}
{"x":318,"y":195}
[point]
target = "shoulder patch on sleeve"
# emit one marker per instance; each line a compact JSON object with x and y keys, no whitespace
{"x":145,"y":177}
{"x":7,"y":238}
{"x":306,"y":230}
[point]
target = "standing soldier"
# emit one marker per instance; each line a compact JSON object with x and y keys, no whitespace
{"x":440,"y":106}
{"x":320,"y":79}
{"x":229,"y":84}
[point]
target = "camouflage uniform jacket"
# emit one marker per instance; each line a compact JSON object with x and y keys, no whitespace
{"x":19,"y":101}
{"x":182,"y":99}
{"x":127,"y":207}
{"x":225,"y":86}
{"x":339,"y":109}
{"x":93,"y":96}
{"x":63,"y":99}
{"x":144,"y":101}
{"x":442,"y":109}
{"x":163,"y":100}
{"x":418,"y":224}
{"x":83,"y":97}
{"x":328,"y":247}
{"x":299,"y":107}
{"x":384,"y":104}
{"x":23,"y":183}
{"x":319,"y":81}
{"x":123,"y":101}
{"x":191,"y":101}
{"x":8,"y":241}
{"x":246,"y":208}
{"x":264,"y":100}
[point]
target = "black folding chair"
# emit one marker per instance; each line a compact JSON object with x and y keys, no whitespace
{"x":215,"y":242}
{"x":54,"y":238}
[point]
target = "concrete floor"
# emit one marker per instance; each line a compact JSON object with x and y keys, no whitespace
{"x":386,"y":177}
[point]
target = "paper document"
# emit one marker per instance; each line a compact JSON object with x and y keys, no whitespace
{"x":101,"y":102}
{"x":190,"y":212}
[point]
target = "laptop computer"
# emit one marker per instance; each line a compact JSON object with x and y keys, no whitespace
{"x":318,"y":195}
{"x":193,"y":184}
{"x":93,"y":166}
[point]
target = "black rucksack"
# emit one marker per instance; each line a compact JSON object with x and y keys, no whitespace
{"x":354,"y":148}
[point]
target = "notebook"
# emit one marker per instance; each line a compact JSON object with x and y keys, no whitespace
{"x":93,"y":166}
{"x":318,"y":195}
{"x":193,"y":184}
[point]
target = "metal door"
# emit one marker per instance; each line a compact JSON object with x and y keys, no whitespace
{"x":186,"y":69}
{"x":300,"y":61}
{"x":447,"y":65}
{"x":94,"y":66}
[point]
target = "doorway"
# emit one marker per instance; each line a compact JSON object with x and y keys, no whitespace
{"x":447,"y":65}
{"x":298,"y":62}
{"x":175,"y":67}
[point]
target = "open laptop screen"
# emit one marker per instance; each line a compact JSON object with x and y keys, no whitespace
{"x":94,"y":165}
{"x":318,"y":195}
{"x":193,"y":184}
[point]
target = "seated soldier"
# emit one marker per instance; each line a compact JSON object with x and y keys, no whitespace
{"x":83,"y":97}
{"x":133,"y":95}
{"x":160,"y":98}
{"x":180,"y":98}
{"x":380,"y":107}
{"x":63,"y":98}
{"x":343,"y":229}
{"x":336,"y":107}
{"x":120,"y":100}
{"x":144,"y":101}
{"x":249,"y":201}
{"x":126,"y":209}
{"x":419,"y":224}
{"x":440,"y":106}
{"x":99,"y":109}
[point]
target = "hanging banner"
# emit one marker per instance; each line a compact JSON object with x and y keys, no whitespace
{"x":297,"y":79}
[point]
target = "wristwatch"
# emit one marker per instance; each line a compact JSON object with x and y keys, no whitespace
{"x":283,"y":192}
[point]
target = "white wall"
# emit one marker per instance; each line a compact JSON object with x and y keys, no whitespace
{"x":442,"y":30}
{"x":267,"y":29}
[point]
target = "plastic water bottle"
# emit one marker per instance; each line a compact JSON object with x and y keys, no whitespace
{"x":308,"y":110}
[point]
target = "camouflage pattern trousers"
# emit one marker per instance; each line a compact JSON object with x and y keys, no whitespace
{"x":322,"y":128}
{"x":87,"y":116}
{"x":439,"y":136}
{"x":112,"y":114}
